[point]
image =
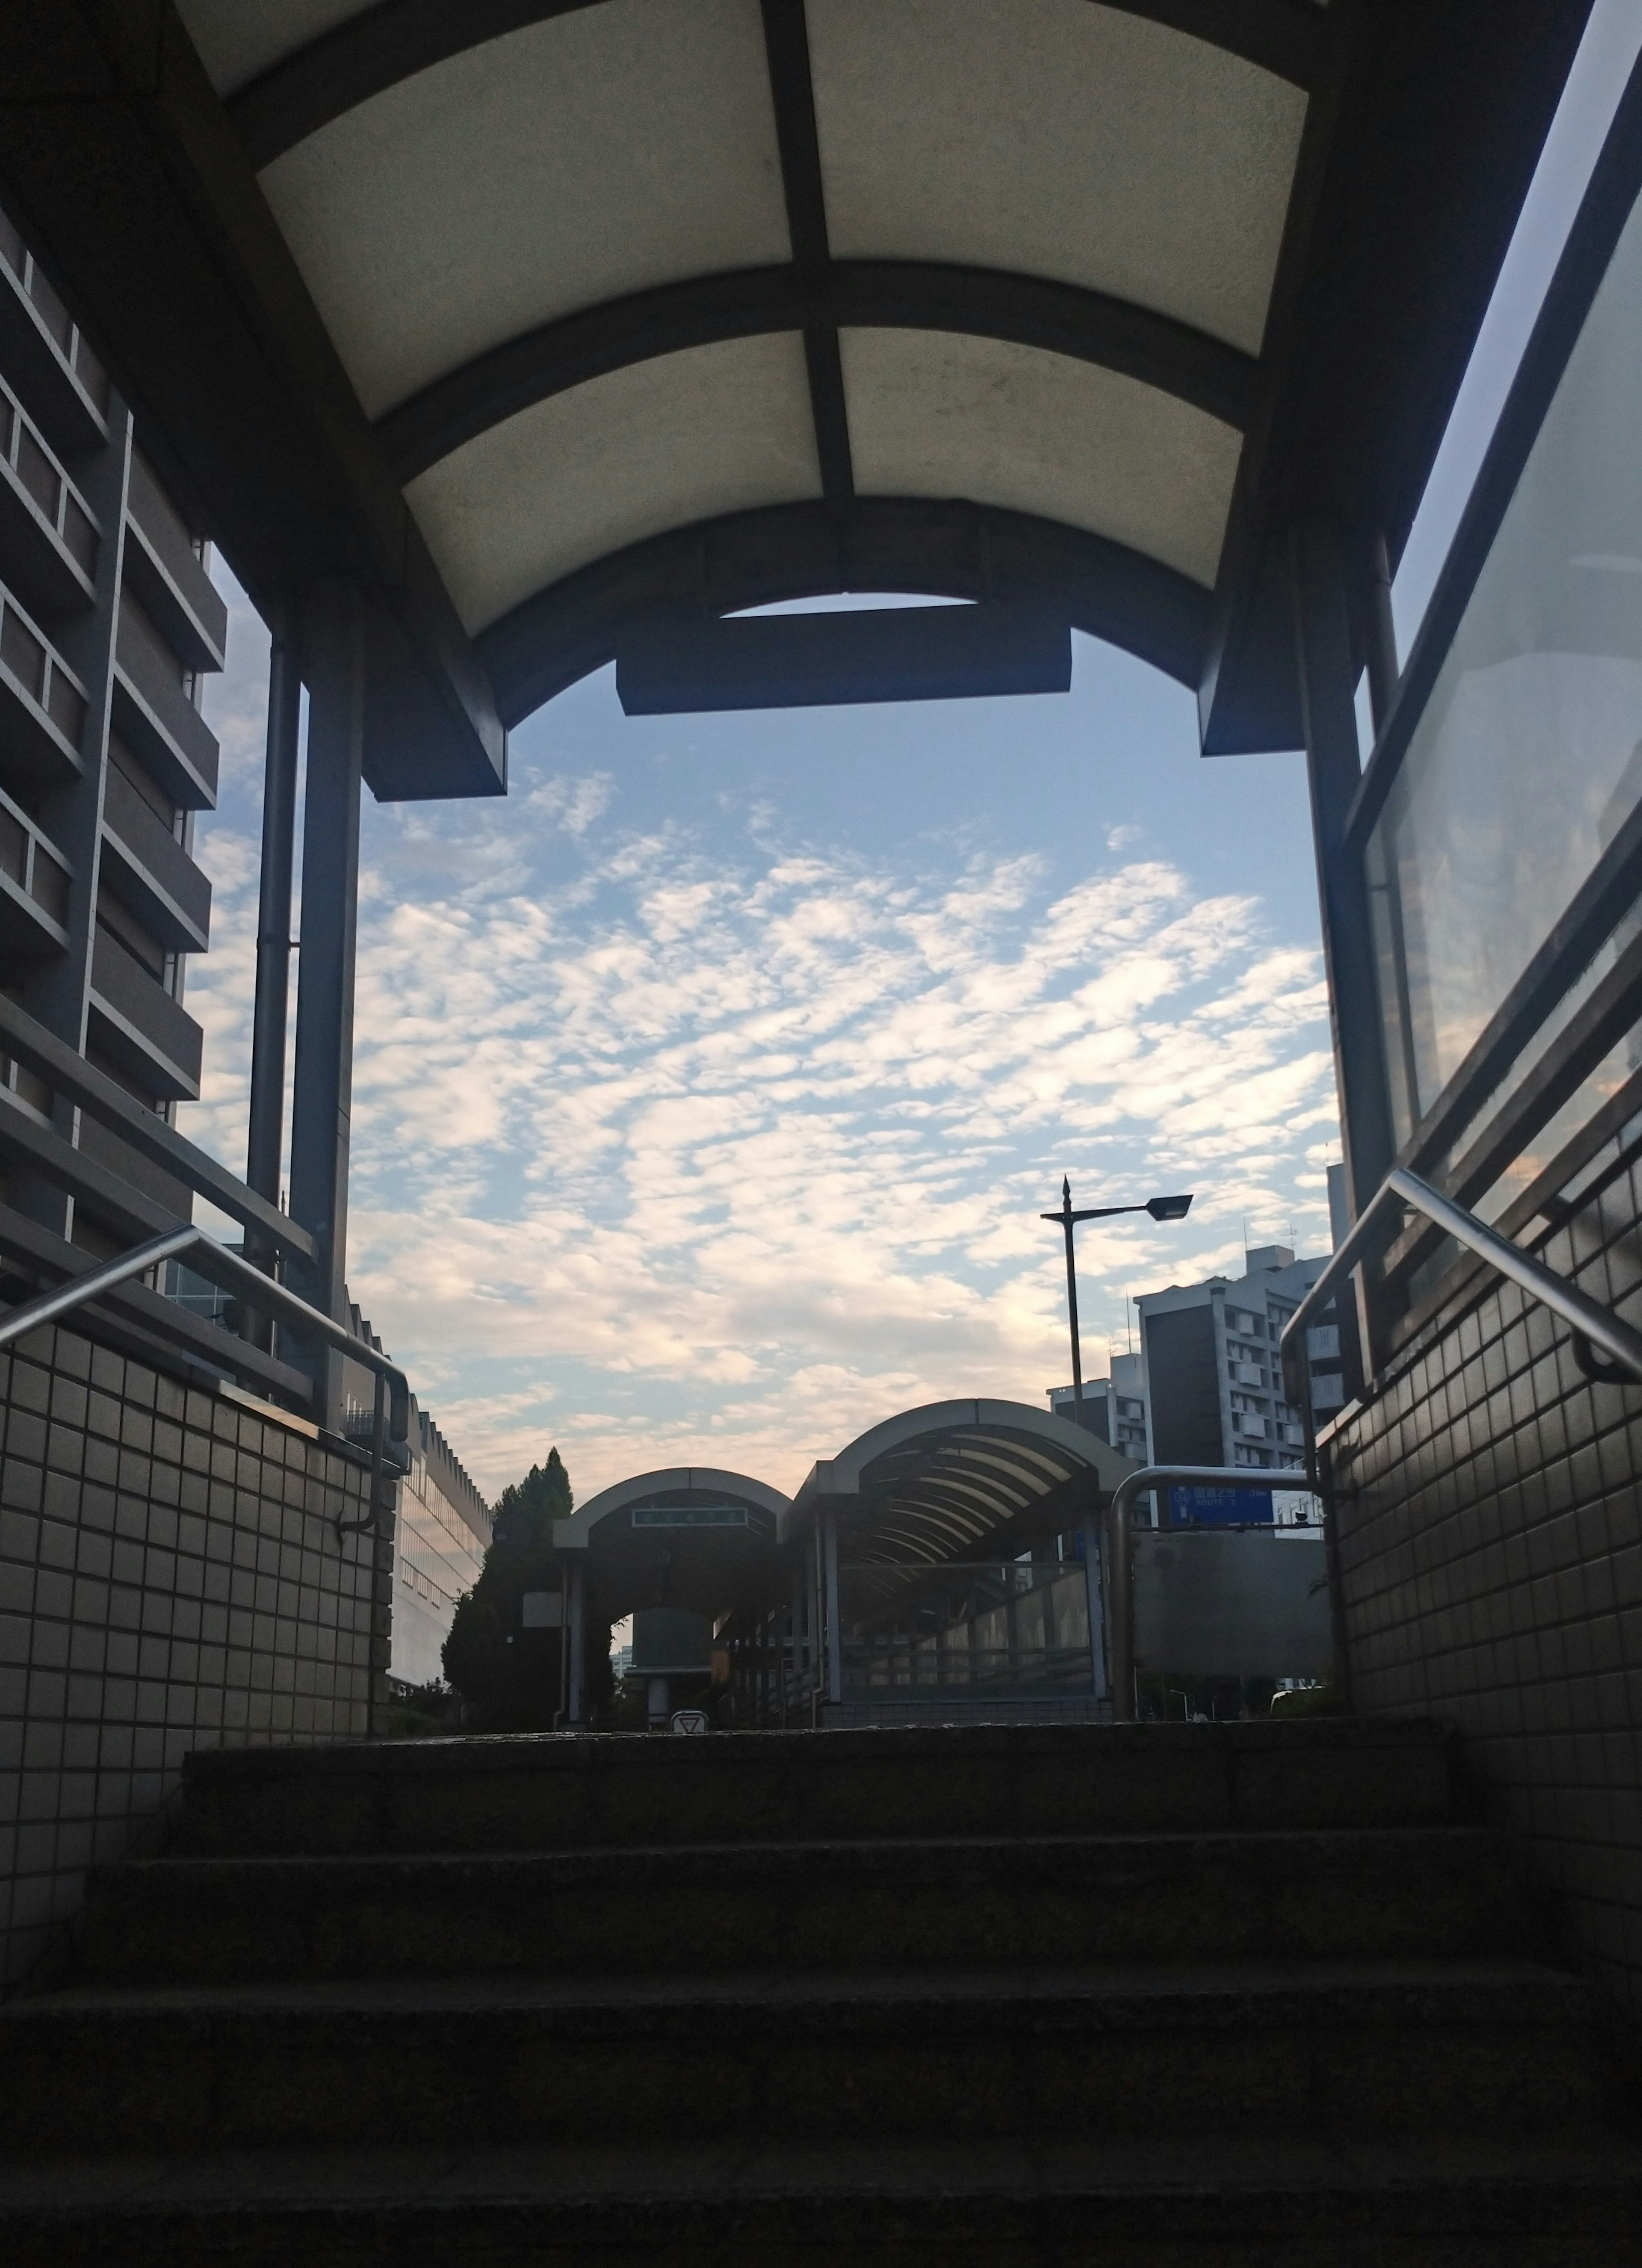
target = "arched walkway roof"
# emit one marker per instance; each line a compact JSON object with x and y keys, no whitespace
{"x":554,"y":317}
{"x":683,"y":1536}
{"x":603,"y":274}
{"x":958,"y":1481}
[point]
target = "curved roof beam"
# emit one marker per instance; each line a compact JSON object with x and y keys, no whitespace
{"x":941,"y":548}
{"x":855,"y":294}
{"x":374,"y":50}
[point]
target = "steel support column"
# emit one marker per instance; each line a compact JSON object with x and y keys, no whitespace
{"x":265,"y":1143}
{"x":1334,"y":768}
{"x":333,"y":652}
{"x":1384,"y":668}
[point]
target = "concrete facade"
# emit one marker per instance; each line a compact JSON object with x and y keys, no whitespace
{"x":1214,"y":1390}
{"x":109,"y":626}
{"x":1116,"y":1406}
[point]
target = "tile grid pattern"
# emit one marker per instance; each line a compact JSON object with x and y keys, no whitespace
{"x":170,"y":1580}
{"x":1490,"y":1558}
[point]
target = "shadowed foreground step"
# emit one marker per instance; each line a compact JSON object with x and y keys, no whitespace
{"x":717,"y":1906}
{"x":1246,"y":1993}
{"x":1282,"y":2203}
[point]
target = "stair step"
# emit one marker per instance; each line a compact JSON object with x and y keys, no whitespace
{"x":564,"y":1791}
{"x":1262,"y":2201}
{"x":1352,"y":2047}
{"x":1053,"y":1900}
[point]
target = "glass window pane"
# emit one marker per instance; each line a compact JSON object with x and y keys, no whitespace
{"x":1529,"y":757}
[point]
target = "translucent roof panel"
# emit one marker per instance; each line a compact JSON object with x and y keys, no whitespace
{"x":605,"y":274}
{"x":588,"y":155}
{"x":935,"y":415}
{"x":677,"y":439}
{"x":1059,"y":138}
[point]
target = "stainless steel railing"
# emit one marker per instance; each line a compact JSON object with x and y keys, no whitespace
{"x":1593,"y":1325}
{"x":392,"y":1415}
{"x":1119,"y":1552}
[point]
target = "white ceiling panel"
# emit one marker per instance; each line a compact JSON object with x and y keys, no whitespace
{"x":1061,"y":138}
{"x":238,"y":40}
{"x":687,"y":436}
{"x":600,"y":152}
{"x":933,"y":414}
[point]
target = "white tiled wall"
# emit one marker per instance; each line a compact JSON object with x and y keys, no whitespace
{"x":170,"y":1579}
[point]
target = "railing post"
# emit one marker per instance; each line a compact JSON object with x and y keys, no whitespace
{"x":1099,"y":1669}
{"x":334,"y":646}
{"x":1120,"y":1587}
{"x":835,"y":1635}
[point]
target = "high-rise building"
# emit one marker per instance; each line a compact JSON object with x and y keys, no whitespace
{"x":109,"y":626}
{"x":1213,"y":1376}
{"x":1114,"y":1407}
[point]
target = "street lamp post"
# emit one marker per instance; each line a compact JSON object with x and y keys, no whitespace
{"x":1160,"y":1209}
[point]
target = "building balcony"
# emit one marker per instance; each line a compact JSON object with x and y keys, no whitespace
{"x":42,"y":703}
{"x":155,"y":715}
{"x":150,"y":873}
{"x":41,"y":347}
{"x":48,"y":534}
{"x":34,"y":887}
{"x":104,"y":1147}
{"x":139,"y":1027}
{"x":172,"y":586}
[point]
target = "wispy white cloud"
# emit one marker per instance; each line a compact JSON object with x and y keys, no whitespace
{"x":681,"y":1144}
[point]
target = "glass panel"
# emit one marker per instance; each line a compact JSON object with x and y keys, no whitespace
{"x":1529,"y":757}
{"x":992,"y":1626}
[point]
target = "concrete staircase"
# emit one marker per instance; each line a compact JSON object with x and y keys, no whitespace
{"x":1148,"y":1994}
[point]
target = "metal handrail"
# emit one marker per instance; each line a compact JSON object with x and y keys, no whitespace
{"x":104,"y":1100}
{"x":393,"y":1388}
{"x":1593,"y":1324}
{"x":1120,"y":1555}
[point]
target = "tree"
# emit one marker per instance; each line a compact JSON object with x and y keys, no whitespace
{"x":508,"y":1677}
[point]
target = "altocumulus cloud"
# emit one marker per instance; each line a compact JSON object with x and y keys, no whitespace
{"x":676,"y":1148}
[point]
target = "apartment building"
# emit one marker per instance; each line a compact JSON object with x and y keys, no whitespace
{"x":1213,"y":1377}
{"x":1114,"y":1406}
{"x":109,"y":625}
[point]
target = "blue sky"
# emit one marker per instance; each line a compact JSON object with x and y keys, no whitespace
{"x":708,"y":1089}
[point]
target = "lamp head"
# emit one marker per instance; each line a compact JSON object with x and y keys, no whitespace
{"x":1168,"y":1208}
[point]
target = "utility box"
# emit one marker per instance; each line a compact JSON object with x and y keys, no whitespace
{"x":1232,"y":1602}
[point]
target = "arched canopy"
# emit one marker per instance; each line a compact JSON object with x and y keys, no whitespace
{"x":652,"y":301}
{"x":536,"y":320}
{"x":687,"y":1536}
{"x":958,"y":1481}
